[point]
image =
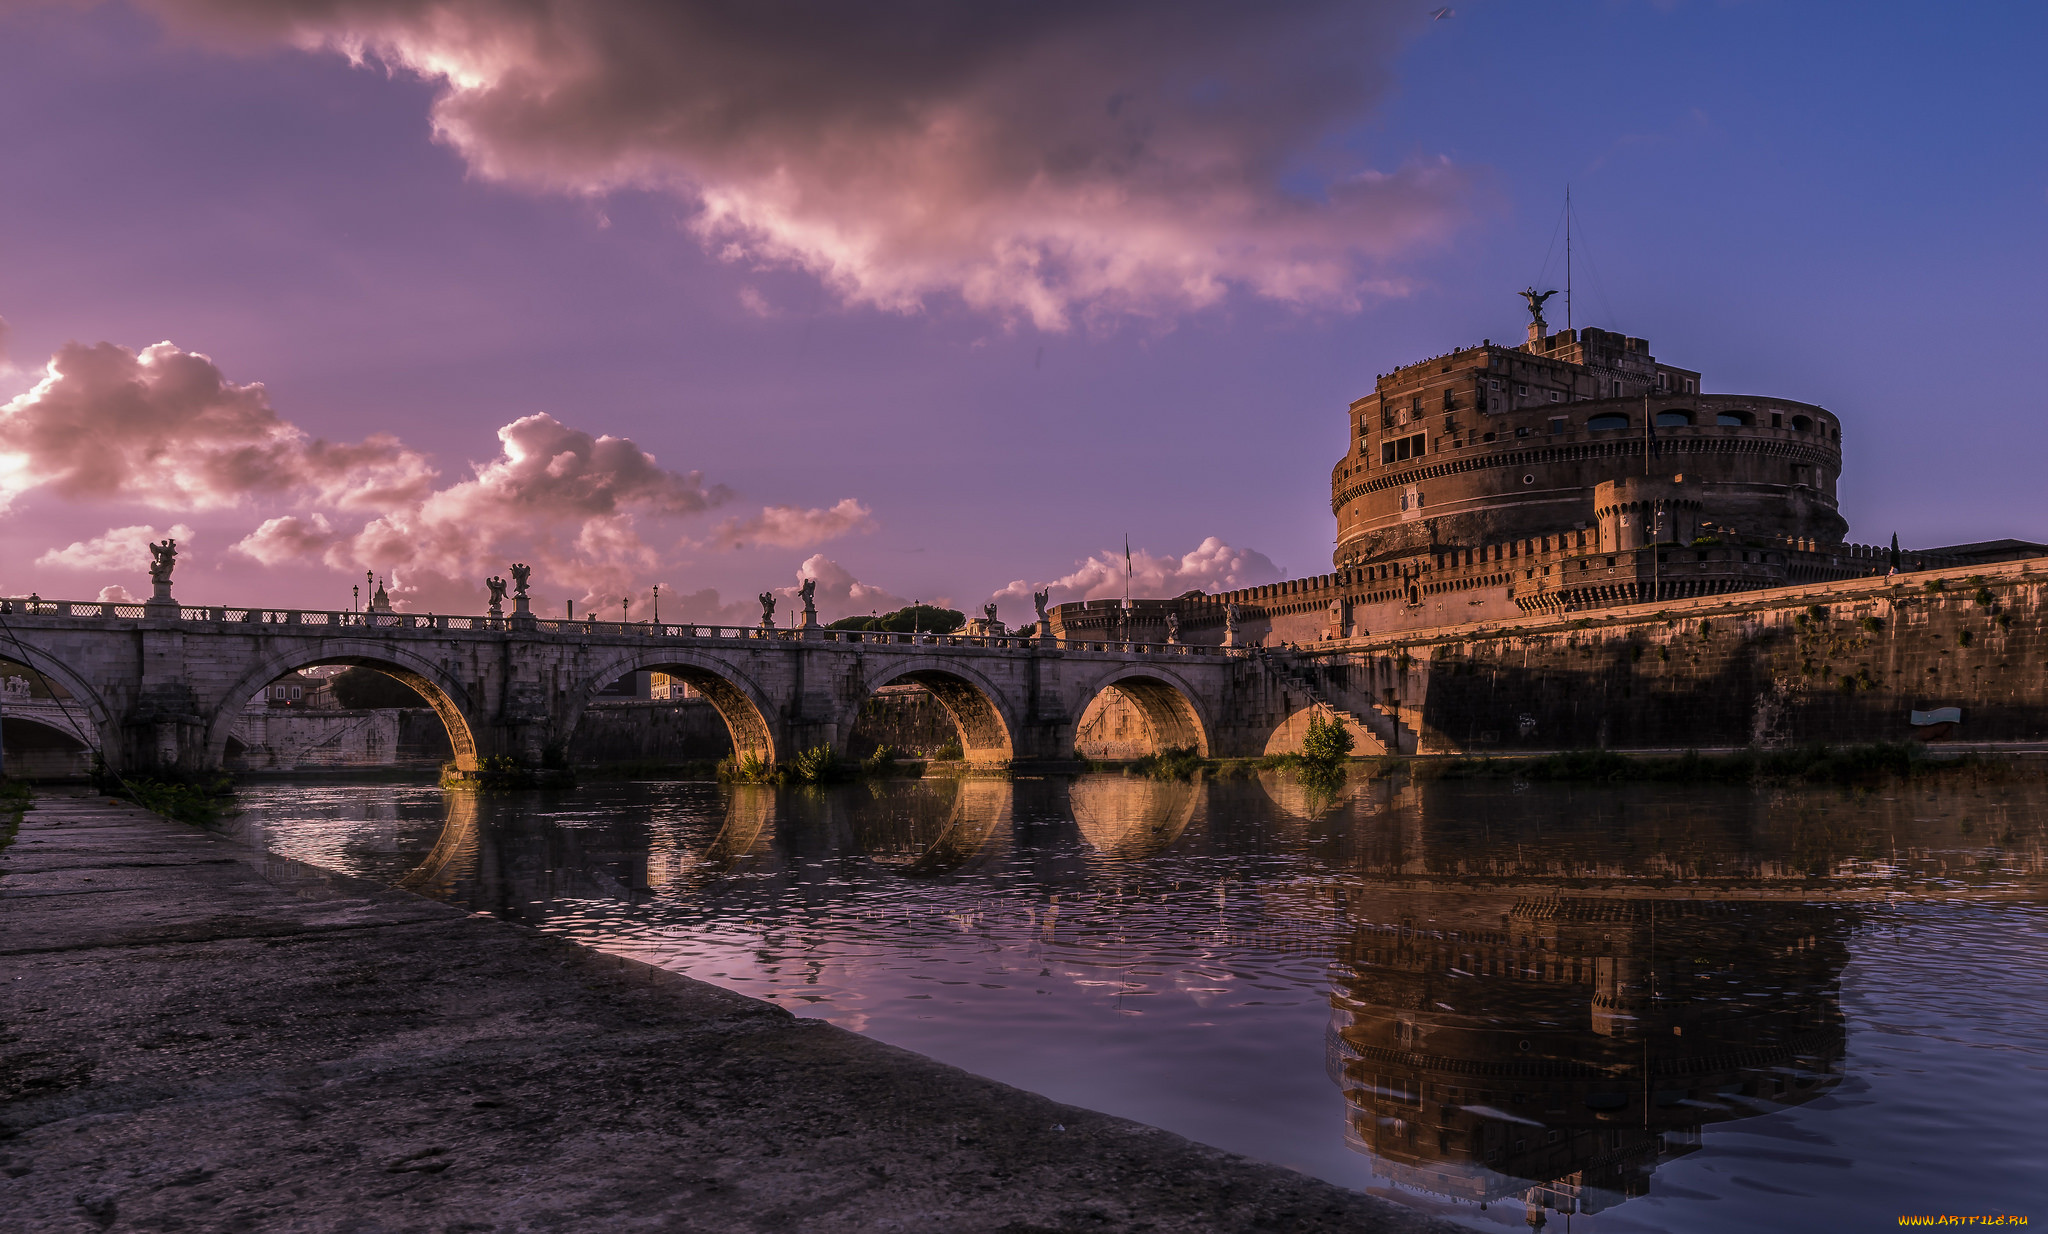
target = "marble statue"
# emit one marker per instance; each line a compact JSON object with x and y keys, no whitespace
{"x":767,"y":610}
{"x":163,"y":554}
{"x":520,"y":573}
{"x":497,"y":587}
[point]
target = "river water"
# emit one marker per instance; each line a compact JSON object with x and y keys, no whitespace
{"x":1624,"y":1008}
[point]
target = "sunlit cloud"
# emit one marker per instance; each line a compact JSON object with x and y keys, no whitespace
{"x":164,"y":427}
{"x":792,"y":527}
{"x":117,"y":548}
{"x":1049,"y":163}
{"x":1212,"y":566}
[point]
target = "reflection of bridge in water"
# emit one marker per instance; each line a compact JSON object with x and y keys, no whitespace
{"x":1539,"y":998}
{"x":162,"y":685}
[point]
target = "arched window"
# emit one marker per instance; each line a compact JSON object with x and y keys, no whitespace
{"x":1674,"y":419}
{"x":1802,"y":424}
{"x":1607,"y":422}
{"x":1734,"y":419}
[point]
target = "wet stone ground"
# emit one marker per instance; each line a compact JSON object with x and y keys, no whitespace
{"x":195,"y":1036}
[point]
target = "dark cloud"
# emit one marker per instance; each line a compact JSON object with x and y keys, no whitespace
{"x":1042,"y":159}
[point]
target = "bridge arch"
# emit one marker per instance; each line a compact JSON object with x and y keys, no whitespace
{"x":86,"y":708}
{"x":738,"y":699}
{"x":978,"y":707}
{"x":1162,"y":697}
{"x":443,"y":693}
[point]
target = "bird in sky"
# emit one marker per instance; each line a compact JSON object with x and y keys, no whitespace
{"x":1440,"y":14}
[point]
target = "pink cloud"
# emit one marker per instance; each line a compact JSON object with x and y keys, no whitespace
{"x":117,"y":548}
{"x":791,"y":527}
{"x":1211,"y":566}
{"x":164,"y":427}
{"x":287,"y":539}
{"x":1041,"y":162}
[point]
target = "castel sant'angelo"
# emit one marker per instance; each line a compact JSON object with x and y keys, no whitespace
{"x":1573,"y":472}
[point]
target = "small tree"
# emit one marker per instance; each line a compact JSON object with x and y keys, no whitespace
{"x":1328,"y":742}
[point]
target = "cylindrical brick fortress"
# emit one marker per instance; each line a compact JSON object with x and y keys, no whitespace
{"x":1495,"y":444}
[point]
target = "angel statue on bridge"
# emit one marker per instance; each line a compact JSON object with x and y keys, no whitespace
{"x":1038,"y":599}
{"x":767,"y":599}
{"x":497,"y":587}
{"x":163,"y":554}
{"x":520,"y":573}
{"x":808,"y":593}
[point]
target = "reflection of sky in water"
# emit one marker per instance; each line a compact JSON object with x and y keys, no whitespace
{"x":1328,"y":981}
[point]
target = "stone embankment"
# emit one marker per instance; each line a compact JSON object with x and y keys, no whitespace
{"x":197,"y":1037}
{"x":1840,"y":662}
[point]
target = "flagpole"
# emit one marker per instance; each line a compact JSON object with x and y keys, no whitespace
{"x":1125,"y":616}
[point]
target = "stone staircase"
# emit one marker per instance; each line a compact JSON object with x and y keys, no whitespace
{"x":1377,"y":724}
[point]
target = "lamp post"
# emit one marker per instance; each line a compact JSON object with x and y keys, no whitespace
{"x":657,"y":604}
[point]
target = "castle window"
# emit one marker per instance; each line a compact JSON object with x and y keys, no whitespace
{"x":1555,"y":397}
{"x":1674,"y":419}
{"x":1802,"y":424}
{"x":1521,"y":430}
{"x":1607,"y":422}
{"x":1556,"y":425}
{"x":1523,"y":391}
{"x":1402,"y":449}
{"x":1777,"y":419}
{"x":1735,"y":419}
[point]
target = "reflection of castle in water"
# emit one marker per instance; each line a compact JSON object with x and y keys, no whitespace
{"x":1556,"y":1045}
{"x":1536,"y":996}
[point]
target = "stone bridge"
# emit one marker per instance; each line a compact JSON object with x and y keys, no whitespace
{"x":159,"y":686}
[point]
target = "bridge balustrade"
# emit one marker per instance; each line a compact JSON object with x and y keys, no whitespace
{"x":339,"y":619}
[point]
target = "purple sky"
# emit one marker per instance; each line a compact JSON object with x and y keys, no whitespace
{"x":946,"y":299}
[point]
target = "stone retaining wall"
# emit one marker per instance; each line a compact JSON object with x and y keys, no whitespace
{"x":1836,"y":663}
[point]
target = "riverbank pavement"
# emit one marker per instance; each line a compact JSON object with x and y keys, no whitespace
{"x":195,"y":1036}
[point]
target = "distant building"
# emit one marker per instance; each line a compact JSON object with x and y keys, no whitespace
{"x":1573,"y":472}
{"x":305,"y":691}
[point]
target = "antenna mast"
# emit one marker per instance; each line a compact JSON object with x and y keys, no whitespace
{"x":1567,"y":256}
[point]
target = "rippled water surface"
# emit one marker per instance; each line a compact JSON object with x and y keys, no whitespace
{"x":1638,"y":1007}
